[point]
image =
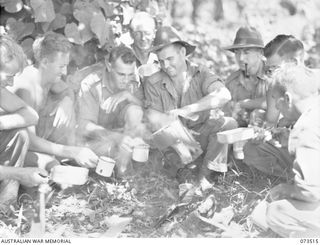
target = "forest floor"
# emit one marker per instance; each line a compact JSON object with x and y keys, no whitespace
{"x":145,"y":203}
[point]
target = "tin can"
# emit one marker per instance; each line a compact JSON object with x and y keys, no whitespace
{"x":105,"y":166}
{"x":141,"y":153}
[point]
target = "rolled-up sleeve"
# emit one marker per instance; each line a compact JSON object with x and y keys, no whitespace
{"x":210,"y":82}
{"x":89,"y":103}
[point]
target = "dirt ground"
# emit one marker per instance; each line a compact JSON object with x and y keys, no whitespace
{"x":145,"y":204}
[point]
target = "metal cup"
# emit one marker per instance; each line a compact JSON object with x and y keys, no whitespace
{"x":105,"y":166}
{"x":141,"y":153}
{"x":238,"y":149}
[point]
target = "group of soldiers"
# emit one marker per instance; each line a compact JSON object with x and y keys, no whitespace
{"x":139,"y":89}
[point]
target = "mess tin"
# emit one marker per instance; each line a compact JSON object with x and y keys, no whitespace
{"x":69,"y":175}
{"x":235,"y":135}
{"x":105,"y":166}
{"x":141,"y":153}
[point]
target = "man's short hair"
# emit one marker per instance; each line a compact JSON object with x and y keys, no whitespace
{"x":141,"y":18}
{"x":125,"y":53}
{"x":298,"y":79}
{"x":9,"y":50}
{"x":286,"y":46}
{"x":49,"y":45}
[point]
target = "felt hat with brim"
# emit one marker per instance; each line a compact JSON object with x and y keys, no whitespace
{"x":246,"y":37}
{"x":167,"y":35}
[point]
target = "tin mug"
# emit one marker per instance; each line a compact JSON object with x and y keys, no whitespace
{"x":105,"y":166}
{"x":141,"y":153}
{"x":238,"y":149}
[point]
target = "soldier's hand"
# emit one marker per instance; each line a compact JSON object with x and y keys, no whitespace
{"x":84,"y":156}
{"x":32,"y":176}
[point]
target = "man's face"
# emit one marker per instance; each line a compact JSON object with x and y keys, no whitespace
{"x":143,"y":35}
{"x":284,"y":104}
{"x":122,"y":73}
{"x":172,"y":59}
{"x":56,"y":66}
{"x":8,"y":71}
{"x":272,"y":64}
{"x":248,"y":59}
{"x":275,"y":61}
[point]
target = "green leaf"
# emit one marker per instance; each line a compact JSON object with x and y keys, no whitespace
{"x":12,"y":6}
{"x":84,"y":17}
{"x":82,"y":4}
{"x":43,"y":10}
{"x":19,"y":30}
{"x":66,"y":9}
{"x":59,"y":22}
{"x":107,"y":7}
{"x":72,"y":33}
{"x":101,"y":28}
{"x":26,"y":45}
{"x":45,"y":26}
{"x":128,"y":13}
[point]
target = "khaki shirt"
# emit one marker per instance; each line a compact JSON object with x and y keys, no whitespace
{"x":162,"y":96}
{"x":304,"y":145}
{"x":240,"y":90}
{"x":95,"y":89}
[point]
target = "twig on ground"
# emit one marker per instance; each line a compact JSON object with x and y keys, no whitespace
{"x":91,"y":194}
{"x":254,"y":192}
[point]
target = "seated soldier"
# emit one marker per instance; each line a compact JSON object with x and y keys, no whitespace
{"x":110,"y":108}
{"x":294,"y":210}
{"x":186,"y":90}
{"x":15,"y":116}
{"x":282,"y":49}
{"x":248,"y":85}
{"x":142,"y":30}
{"x":55,"y":109}
{"x":263,"y":155}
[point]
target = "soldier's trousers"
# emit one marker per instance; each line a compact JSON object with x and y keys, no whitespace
{"x":216,"y":154}
{"x":269,"y":159}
